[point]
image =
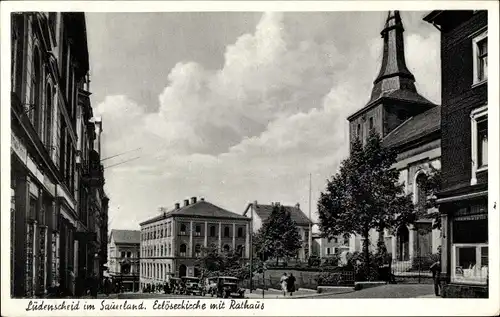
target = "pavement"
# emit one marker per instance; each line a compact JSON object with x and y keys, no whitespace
{"x":384,"y":291}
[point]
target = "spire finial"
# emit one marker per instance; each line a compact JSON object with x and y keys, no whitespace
{"x":394,"y":74}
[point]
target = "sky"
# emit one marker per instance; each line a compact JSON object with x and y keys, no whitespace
{"x":235,"y":107}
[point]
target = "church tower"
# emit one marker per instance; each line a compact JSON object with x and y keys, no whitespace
{"x":394,"y":97}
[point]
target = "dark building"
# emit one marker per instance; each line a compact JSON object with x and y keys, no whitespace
{"x":49,"y":77}
{"x":464,"y":125}
{"x":410,"y":124}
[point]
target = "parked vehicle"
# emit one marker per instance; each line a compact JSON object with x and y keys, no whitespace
{"x":192,"y":285}
{"x":228,"y":286}
{"x":177,"y":286}
{"x":210,"y":286}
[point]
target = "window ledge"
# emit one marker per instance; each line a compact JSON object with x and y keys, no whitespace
{"x":482,"y":169}
{"x":480,"y":83}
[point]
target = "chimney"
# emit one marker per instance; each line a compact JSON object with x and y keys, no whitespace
{"x":255,"y":204}
{"x":177,"y":205}
{"x":186,"y":202}
{"x":297,"y":206}
{"x":193,"y":200}
{"x":202,"y":199}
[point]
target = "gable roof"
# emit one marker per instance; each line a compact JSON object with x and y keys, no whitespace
{"x":200,"y":209}
{"x":264,"y":211}
{"x":125,"y":236}
{"x":415,"y":128}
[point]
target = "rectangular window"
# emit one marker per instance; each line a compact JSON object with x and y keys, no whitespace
{"x":469,"y":258}
{"x":480,"y":57}
{"x":371,"y":123}
{"x":482,"y":143}
{"x":479,"y":139}
{"x":122,"y":254}
{"x":328,"y":251}
{"x":358,"y":131}
{"x":129,"y":254}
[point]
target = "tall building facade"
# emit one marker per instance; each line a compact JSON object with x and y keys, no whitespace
{"x":463,"y":200}
{"x":410,"y":124}
{"x":49,"y":70}
{"x":124,"y":258}
{"x":259,"y":213}
{"x":172,"y":242}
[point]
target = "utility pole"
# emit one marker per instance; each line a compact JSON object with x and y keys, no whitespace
{"x":250,"y":245}
{"x":310,"y":219}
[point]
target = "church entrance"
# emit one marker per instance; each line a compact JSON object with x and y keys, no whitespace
{"x":403,"y":244}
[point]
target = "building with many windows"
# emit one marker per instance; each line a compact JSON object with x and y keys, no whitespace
{"x":49,"y":76}
{"x":463,"y":199}
{"x":410,"y":124}
{"x":124,"y":257}
{"x":259,"y":214}
{"x":172,"y":242}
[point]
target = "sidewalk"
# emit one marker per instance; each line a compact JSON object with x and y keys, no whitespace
{"x":274,"y":294}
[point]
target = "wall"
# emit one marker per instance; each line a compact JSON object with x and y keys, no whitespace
{"x":458,"y":99}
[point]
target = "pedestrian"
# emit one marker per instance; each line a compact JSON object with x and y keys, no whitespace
{"x":290,"y":281}
{"x":71,"y":282}
{"x":283,"y":282}
{"x":107,"y":286}
{"x":436,"y":276}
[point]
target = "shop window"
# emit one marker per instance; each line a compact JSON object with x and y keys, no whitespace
{"x":469,"y":254}
{"x":480,"y":57}
{"x":479,"y":136}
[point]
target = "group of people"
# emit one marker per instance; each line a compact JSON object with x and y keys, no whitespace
{"x":287,"y":284}
{"x":167,"y":287}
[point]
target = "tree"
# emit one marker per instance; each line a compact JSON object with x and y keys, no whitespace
{"x":229,"y":263}
{"x":278,"y":237}
{"x":365,"y":194}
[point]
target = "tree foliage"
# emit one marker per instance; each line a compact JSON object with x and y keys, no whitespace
{"x":214,"y":263}
{"x":278,"y":237}
{"x":365,"y":194}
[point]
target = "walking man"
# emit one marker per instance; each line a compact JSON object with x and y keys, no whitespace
{"x":436,"y":276}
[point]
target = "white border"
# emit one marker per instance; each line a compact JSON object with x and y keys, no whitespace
{"x":304,"y":307}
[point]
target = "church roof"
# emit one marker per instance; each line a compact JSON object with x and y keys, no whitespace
{"x":394,"y":81}
{"x":200,"y":209}
{"x":415,"y":128}
{"x":125,"y":236}
{"x":264,"y":211}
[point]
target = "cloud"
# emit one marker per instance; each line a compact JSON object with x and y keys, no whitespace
{"x":253,"y":129}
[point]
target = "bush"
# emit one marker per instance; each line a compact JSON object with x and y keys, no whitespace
{"x":356,"y":263}
{"x":333,"y":279}
{"x":424,"y":263}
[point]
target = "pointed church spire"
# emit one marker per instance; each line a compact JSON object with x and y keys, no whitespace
{"x":393,"y":75}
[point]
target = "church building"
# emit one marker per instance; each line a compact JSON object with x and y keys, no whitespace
{"x":410,"y":124}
